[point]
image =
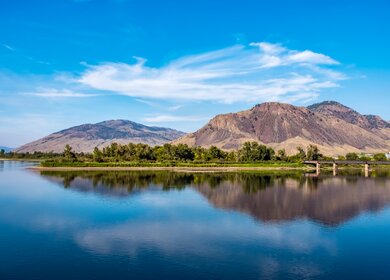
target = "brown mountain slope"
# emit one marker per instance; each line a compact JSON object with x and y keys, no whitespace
{"x":335,"y":109}
{"x":285,"y":126}
{"x":84,"y":138}
{"x":371,"y":123}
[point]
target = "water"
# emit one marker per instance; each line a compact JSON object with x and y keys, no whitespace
{"x":148,"y":225}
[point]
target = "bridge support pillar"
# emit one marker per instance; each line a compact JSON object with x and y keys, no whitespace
{"x":318,"y":168}
{"x":335,"y":169}
{"x":366,"y":170}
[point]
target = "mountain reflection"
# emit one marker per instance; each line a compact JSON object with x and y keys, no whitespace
{"x":266,"y":197}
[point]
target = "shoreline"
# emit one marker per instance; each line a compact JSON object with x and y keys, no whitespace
{"x":172,"y":168}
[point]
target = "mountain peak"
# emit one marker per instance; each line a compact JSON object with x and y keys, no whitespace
{"x":335,"y":128}
{"x":329,"y":104}
{"x":85,"y":137}
{"x":340,"y":111}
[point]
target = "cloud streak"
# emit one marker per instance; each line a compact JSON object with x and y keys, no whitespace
{"x":8,"y":47}
{"x":255,"y":73}
{"x":54,"y":93}
{"x":173,"y":118}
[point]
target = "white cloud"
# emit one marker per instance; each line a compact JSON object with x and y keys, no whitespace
{"x":255,"y":73}
{"x":54,"y":93}
{"x":172,"y":118}
{"x":8,"y":47}
{"x":175,"y":107}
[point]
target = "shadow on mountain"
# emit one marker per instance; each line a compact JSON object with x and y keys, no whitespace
{"x":268,"y":197}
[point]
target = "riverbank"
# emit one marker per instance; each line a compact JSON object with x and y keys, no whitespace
{"x":22,"y":159}
{"x":303,"y":168}
{"x":173,"y":168}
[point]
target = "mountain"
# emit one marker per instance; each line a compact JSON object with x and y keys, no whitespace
{"x":84,"y":138}
{"x":371,"y":123}
{"x":335,"y":109}
{"x":6,"y":149}
{"x":336,"y":129}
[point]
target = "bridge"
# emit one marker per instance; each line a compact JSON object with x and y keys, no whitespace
{"x":336,"y":164}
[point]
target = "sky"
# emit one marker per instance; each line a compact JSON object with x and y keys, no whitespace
{"x":178,"y":63}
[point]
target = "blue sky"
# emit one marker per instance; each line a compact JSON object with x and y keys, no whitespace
{"x":178,"y":63}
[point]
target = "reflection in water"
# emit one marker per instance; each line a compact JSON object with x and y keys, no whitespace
{"x":266,"y":197}
{"x":144,"y":225}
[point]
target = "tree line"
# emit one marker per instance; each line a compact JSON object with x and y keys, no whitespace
{"x":249,"y":152}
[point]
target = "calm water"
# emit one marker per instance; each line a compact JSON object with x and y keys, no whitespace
{"x":148,"y":225}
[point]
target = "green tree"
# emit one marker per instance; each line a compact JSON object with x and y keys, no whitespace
{"x":2,"y":152}
{"x":213,"y":153}
{"x":68,"y":154}
{"x":252,"y":151}
{"x":364,"y":157}
{"x":183,"y":152}
{"x":313,"y":153}
{"x":380,"y":157}
{"x":281,"y":155}
{"x":301,"y":155}
{"x":97,"y":155}
{"x":352,"y":156}
{"x":231,"y":156}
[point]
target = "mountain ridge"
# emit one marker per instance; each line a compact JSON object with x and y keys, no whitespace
{"x":335,"y":128}
{"x":6,"y":149}
{"x":85,"y":137}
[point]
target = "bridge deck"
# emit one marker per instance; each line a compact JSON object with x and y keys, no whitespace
{"x":346,"y":162}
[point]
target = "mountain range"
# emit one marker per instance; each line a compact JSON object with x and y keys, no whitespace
{"x":84,"y":138}
{"x":333,"y":127}
{"x":6,"y":149}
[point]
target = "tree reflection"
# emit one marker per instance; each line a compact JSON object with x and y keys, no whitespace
{"x":275,"y":196}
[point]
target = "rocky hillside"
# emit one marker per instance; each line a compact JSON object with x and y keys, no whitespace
{"x":85,"y":137}
{"x":337,"y":110}
{"x":336,"y":129}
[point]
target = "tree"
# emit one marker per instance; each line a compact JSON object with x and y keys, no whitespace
{"x":380,"y":157}
{"x":364,"y":157}
{"x":352,"y":156}
{"x":2,"y":152}
{"x":69,"y":154}
{"x":97,"y":155}
{"x":231,"y":156}
{"x":213,"y":153}
{"x":252,"y":151}
{"x":313,"y":153}
{"x":183,"y":152}
{"x":281,"y":155}
{"x":301,"y":153}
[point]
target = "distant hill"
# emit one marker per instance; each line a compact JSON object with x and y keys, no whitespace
{"x":6,"y":149}
{"x":84,"y":138}
{"x":335,"y":128}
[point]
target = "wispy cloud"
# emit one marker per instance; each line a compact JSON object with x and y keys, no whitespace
{"x":175,"y":107}
{"x":254,"y":73}
{"x":173,"y":118}
{"x":8,"y":47}
{"x":54,"y":93}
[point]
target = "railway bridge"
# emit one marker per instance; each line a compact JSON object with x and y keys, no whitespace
{"x":336,"y":164}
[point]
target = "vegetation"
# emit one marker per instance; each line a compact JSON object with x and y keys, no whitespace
{"x":182,"y":155}
{"x":364,"y":157}
{"x":136,"y":155}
